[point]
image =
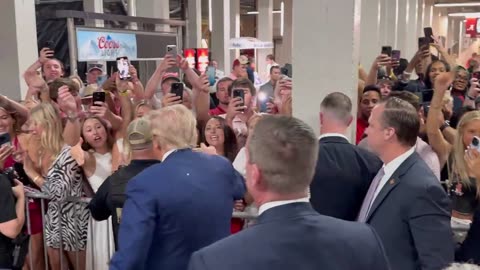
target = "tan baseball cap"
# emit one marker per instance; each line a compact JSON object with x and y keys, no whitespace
{"x":139,"y":134}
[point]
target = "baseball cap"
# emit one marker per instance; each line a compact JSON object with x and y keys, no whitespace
{"x":92,"y":67}
{"x":242,"y":60}
{"x":139,"y":134}
{"x":170,"y":75}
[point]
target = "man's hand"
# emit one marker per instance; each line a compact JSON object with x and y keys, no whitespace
{"x":66,"y":101}
{"x":171,"y":99}
{"x":210,"y":150}
{"x":474,"y":90}
{"x":204,"y":82}
{"x":182,"y":63}
{"x":443,"y":82}
{"x":45,"y":55}
{"x":18,"y":190}
{"x":235,"y":108}
{"x":133,"y":72}
{"x":382,"y":60}
{"x":168,"y":62}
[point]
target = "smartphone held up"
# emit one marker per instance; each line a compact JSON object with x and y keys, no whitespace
{"x":123,"y":66}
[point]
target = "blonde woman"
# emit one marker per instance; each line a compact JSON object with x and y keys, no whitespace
{"x":58,"y":175}
{"x":464,"y":175}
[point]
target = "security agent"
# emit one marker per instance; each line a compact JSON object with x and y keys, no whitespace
{"x":110,"y":197}
{"x":12,"y":218}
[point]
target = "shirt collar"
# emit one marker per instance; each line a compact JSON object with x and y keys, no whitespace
{"x":168,"y":154}
{"x":393,"y":165}
{"x":269,"y":205}
{"x":332,"y":135}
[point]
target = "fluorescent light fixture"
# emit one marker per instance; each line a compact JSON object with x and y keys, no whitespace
{"x":282,"y":18}
{"x":469,"y":4}
{"x":256,"y":12}
{"x":465,"y":14}
{"x":210,"y":23}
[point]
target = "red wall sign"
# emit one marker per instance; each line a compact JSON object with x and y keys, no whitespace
{"x":471,"y":27}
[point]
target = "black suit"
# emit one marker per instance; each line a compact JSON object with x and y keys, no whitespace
{"x":342,"y":178}
{"x":411,"y":214}
{"x":470,"y":248}
{"x":294,"y":236}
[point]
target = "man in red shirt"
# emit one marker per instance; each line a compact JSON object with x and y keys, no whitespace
{"x":371,"y":95}
{"x":222,"y":96}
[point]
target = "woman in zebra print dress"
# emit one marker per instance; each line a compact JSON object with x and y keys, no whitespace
{"x":65,"y":222}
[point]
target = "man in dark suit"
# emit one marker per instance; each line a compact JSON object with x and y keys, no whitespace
{"x":289,"y":234}
{"x":405,"y":203}
{"x":180,"y":205}
{"x":344,"y":171}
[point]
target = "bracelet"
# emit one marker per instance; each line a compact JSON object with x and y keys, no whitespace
{"x":445,"y":125}
{"x":124,"y":93}
{"x":72,"y":116}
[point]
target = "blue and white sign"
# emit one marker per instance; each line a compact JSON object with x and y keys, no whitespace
{"x":105,"y":46}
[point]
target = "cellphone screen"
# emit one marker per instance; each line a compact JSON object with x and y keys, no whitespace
{"x":428,"y":31}
{"x":123,"y":66}
{"x":423,"y":43}
{"x":5,"y":139}
{"x":211,"y":71}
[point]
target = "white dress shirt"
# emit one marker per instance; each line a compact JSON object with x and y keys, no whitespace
{"x":269,"y":205}
{"x":332,"y":135}
{"x":390,"y":168}
{"x":168,"y":154}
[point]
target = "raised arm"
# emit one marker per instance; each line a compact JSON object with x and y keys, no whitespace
{"x":435,"y":118}
{"x":381,"y":60}
{"x":201,"y":98}
{"x":45,"y":54}
{"x":168,"y":62}
{"x":67,"y":104}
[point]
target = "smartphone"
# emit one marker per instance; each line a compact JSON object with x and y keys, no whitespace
{"x":211,"y":72}
{"x":177,"y":89}
{"x":396,"y":55}
{"x":475,"y":143}
{"x":428,"y":31}
{"x":241,"y":94}
{"x":476,"y":75}
{"x":5,"y":139}
{"x":284,"y":71}
{"x":263,"y":99}
{"x":387,"y":50}
{"x":423,"y":43}
{"x":427,"y":95}
{"x":50,"y":45}
{"x":98,"y":96}
{"x":123,"y":65}
{"x":172,"y":49}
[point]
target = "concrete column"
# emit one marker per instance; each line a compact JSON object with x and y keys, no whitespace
{"x":221,"y":34}
{"x":407,"y":40}
{"x":370,"y":32}
{"x":283,"y":50}
{"x":194,"y":24}
{"x":420,"y":18}
{"x":264,"y":33}
{"x":19,"y":50}
{"x":234,"y":26}
{"x":318,"y":71}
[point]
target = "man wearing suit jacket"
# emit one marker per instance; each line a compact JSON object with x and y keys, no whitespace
{"x":405,"y":203}
{"x":289,"y":234}
{"x":178,"y":206}
{"x":344,"y":171}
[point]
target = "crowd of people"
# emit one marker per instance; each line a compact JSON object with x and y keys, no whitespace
{"x":165,"y":169}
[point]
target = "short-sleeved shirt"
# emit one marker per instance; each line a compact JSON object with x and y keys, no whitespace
{"x":7,"y":213}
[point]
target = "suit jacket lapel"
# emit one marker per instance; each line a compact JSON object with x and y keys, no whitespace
{"x":392,"y":183}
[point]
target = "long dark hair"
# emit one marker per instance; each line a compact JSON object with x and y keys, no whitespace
{"x":428,"y":82}
{"x":230,"y":145}
{"x":110,"y":140}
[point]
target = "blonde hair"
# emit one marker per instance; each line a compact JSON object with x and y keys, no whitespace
{"x":51,"y":138}
{"x":463,"y":266}
{"x":459,"y":166}
{"x":174,"y":126}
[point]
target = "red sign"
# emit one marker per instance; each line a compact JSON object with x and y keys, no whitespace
{"x":202,"y":60}
{"x":471,"y":28}
{"x":189,"y":54}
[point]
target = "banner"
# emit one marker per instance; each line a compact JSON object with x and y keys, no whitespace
{"x":105,"y":46}
{"x":472,"y":27}
{"x":202,"y":59}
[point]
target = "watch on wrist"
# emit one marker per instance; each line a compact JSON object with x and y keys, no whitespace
{"x":445,"y":125}
{"x":72,"y":116}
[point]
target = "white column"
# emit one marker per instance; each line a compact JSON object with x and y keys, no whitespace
{"x":19,"y":50}
{"x":194,"y":24}
{"x":283,"y":51}
{"x":234,"y":26}
{"x":407,"y":40}
{"x":97,"y":7}
{"x":317,"y":71}
{"x":370,"y":32}
{"x":264,"y":33}
{"x":221,"y":34}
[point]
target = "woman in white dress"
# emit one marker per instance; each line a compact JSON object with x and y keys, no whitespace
{"x":95,"y":157}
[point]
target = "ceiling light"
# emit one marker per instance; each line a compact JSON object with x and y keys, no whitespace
{"x":469,"y":4}
{"x":465,"y":14}
{"x":256,"y":12}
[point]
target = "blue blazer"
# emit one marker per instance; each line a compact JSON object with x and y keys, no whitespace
{"x":175,"y":208}
{"x":342,"y":178}
{"x":295,"y":236}
{"x":411,"y":214}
